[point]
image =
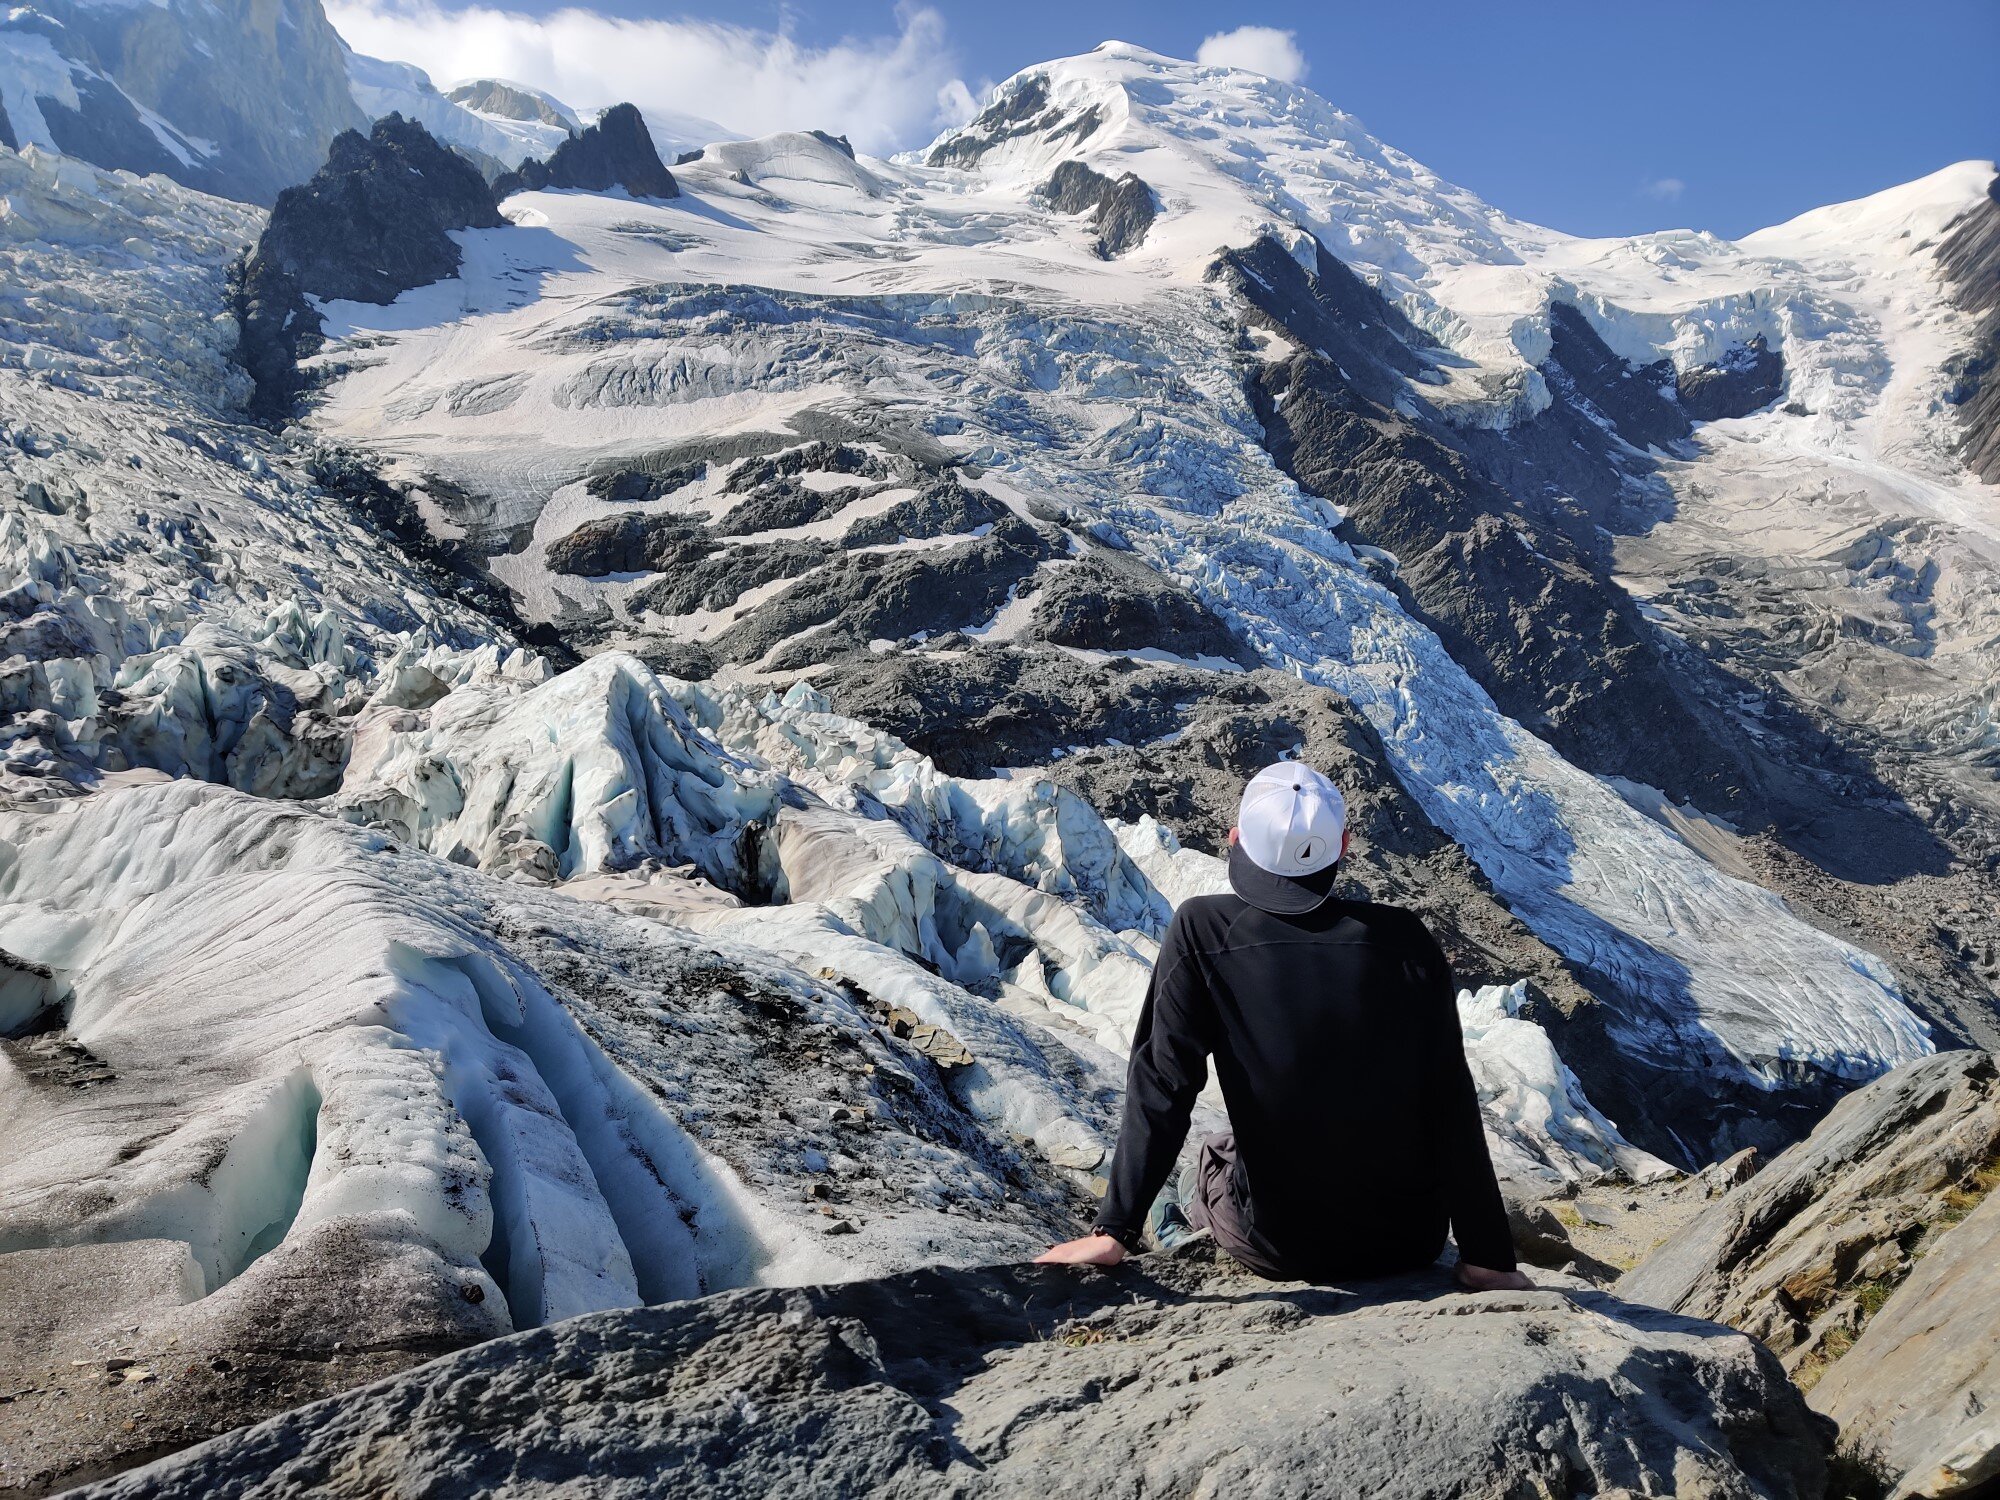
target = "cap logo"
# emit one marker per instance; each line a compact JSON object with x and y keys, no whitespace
{"x":1307,"y":852}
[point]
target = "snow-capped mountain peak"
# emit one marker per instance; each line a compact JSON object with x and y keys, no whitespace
{"x":1233,"y":155}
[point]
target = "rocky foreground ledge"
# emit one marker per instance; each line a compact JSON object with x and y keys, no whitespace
{"x":1167,"y":1377}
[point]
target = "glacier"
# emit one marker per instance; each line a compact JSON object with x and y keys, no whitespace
{"x":1126,"y":413}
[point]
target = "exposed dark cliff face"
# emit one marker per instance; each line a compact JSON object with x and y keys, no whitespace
{"x":616,"y":152}
{"x":370,"y":224}
{"x":105,"y":127}
{"x":1124,"y":204}
{"x":1748,"y":378}
{"x":1970,"y":260}
{"x":1639,"y":402}
{"x":1018,"y":113}
{"x":1025,"y":111}
{"x":373,"y":222}
{"x":1514,"y":596}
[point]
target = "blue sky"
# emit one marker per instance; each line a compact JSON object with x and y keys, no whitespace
{"x":1601,"y":118}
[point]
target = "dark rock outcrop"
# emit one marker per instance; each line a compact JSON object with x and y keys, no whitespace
{"x":370,"y":224}
{"x":1748,"y":378}
{"x":782,"y":503}
{"x":942,"y":507}
{"x":629,"y":543}
{"x":1025,"y":111}
{"x":867,"y":596}
{"x":1331,"y":310}
{"x":616,"y":152}
{"x":373,"y":222}
{"x":1110,"y":601}
{"x":1969,"y":257}
{"x":1637,"y":401}
{"x":632,"y":486}
{"x":718,"y":577}
{"x":1035,"y":1380}
{"x":1124,"y":205}
{"x":1019,"y":112}
{"x":807,"y":458}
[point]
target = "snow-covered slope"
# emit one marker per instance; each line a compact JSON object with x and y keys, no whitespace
{"x":238,"y":97}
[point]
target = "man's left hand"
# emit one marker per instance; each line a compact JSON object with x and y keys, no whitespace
{"x":1091,"y":1250}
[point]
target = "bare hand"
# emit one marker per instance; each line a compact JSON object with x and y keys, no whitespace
{"x":1091,"y":1250}
{"x":1479,"y":1279}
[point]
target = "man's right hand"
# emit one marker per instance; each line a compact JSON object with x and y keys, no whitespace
{"x":1479,"y":1279}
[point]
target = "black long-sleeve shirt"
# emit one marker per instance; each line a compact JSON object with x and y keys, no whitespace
{"x":1336,"y":1040}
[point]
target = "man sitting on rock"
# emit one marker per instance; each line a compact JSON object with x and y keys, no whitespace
{"x":1334,"y":1028}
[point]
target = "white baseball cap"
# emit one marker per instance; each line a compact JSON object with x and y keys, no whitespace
{"x":1288,"y":839}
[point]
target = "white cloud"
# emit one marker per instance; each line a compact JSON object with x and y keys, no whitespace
{"x":885,"y":92}
{"x":1666,"y":189}
{"x":1261,"y":49}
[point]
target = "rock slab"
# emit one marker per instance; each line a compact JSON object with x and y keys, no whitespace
{"x":1920,"y":1390}
{"x":1168,"y":1377}
{"x":1868,"y":1256}
{"x":1787,"y":1255}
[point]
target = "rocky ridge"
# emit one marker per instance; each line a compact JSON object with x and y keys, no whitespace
{"x":1970,"y":260}
{"x":614,"y":153}
{"x":371,"y":223}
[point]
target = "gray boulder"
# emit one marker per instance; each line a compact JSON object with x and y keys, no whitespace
{"x":1167,"y":1377}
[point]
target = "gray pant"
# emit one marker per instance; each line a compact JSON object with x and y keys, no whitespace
{"x":1212,"y":1202}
